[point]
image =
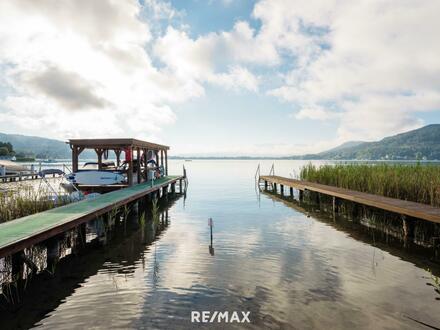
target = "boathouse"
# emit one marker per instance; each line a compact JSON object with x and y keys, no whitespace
{"x":135,"y":153}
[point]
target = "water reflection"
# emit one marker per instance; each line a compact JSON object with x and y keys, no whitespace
{"x":288,"y":269}
{"x":112,"y":246}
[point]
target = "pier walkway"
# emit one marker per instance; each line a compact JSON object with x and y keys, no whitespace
{"x":407,"y":208}
{"x":18,"y":234}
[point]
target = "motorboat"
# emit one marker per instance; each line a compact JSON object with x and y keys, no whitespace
{"x":108,"y":165}
{"x":94,"y":177}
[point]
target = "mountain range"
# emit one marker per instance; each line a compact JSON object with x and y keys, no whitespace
{"x":39,"y":147}
{"x":419,"y":144}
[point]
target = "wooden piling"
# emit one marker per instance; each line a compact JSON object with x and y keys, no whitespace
{"x":335,"y":204}
{"x":17,"y":264}
{"x":408,"y":227}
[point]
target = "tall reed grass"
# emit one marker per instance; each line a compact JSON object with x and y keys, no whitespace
{"x":417,"y":182}
{"x":26,"y":200}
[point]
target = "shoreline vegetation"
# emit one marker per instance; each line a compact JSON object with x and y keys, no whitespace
{"x":412,"y":182}
{"x":26,"y":200}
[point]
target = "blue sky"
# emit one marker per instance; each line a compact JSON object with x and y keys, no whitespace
{"x":220,"y":77}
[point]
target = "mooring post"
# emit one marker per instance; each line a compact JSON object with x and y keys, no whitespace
{"x":165,"y":191}
{"x":82,"y":233}
{"x":282,"y":189}
{"x":17,"y":264}
{"x":291,"y":192}
{"x":436,"y":247}
{"x":275,"y":190}
{"x":265,"y":185}
{"x":173,"y":188}
{"x":301,"y":195}
{"x":408,"y":228}
{"x":53,"y":252}
{"x":180,"y":186}
{"x":335,"y":205}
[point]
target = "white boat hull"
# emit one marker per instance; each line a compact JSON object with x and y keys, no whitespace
{"x":95,"y":178}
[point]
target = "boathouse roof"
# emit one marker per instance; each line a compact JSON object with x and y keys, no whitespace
{"x":116,"y":143}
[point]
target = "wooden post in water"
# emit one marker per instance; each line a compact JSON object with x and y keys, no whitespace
{"x":265,"y":185}
{"x":53,"y":252}
{"x":173,"y":188}
{"x":301,"y":195}
{"x":180,"y":186}
{"x":81,"y":235}
{"x":282,"y":190}
{"x":275,"y":190}
{"x":408,"y":228}
{"x":291,"y":192}
{"x":335,"y":205}
{"x":17,"y":264}
{"x":165,"y":191}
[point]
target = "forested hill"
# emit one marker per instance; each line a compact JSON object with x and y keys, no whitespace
{"x":419,"y":144}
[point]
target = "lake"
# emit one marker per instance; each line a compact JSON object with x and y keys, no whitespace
{"x":288,"y":267}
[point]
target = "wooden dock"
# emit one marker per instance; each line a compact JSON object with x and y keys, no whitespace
{"x":18,"y":177}
{"x":19,"y":234}
{"x":406,"y":208}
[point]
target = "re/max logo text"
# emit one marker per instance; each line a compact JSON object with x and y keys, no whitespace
{"x":220,"y":317}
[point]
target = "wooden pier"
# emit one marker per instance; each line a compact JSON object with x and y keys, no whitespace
{"x":19,"y":234}
{"x":18,"y":177}
{"x":405,"y":208}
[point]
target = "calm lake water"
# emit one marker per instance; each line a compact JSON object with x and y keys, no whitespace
{"x":289,"y":268}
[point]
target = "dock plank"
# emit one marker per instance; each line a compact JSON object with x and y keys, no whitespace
{"x":16,"y":234}
{"x":412,"y":209}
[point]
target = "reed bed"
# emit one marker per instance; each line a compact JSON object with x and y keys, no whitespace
{"x":416,"y":182}
{"x":26,"y":200}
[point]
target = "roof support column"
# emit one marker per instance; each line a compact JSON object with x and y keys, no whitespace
{"x":130,"y":168}
{"x":138,"y":164}
{"x":74,"y":158}
{"x":99,"y":152}
{"x":166,"y":162}
{"x":118,"y":157}
{"x":145,"y":156}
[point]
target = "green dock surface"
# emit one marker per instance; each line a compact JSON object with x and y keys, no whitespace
{"x":36,"y":227}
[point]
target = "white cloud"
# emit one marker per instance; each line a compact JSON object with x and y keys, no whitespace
{"x":236,"y":78}
{"x":81,"y":68}
{"x":213,"y":58}
{"x":375,"y":60}
{"x":86,"y":67}
{"x":316,"y":113}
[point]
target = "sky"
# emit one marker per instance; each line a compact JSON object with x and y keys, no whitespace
{"x":220,"y":77}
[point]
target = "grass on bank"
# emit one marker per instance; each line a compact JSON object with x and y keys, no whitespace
{"x":418,"y":183}
{"x":24,"y":201}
